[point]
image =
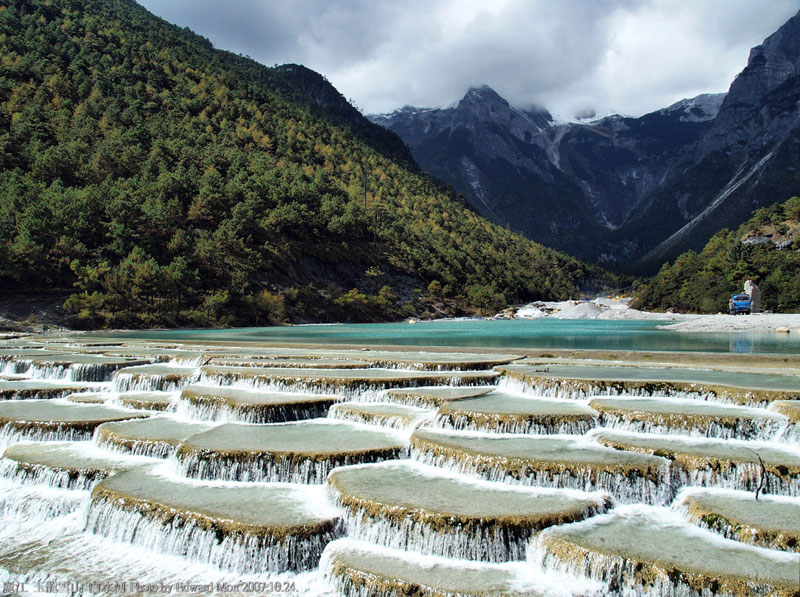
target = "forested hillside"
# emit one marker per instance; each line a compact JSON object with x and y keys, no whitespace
{"x":168,"y":183}
{"x":765,"y":249}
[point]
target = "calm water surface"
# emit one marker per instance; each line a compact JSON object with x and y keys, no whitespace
{"x":536,"y":333}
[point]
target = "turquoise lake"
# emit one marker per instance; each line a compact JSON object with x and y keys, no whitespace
{"x":536,"y":333}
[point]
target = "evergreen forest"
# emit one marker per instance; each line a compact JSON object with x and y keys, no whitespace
{"x":765,"y":249}
{"x":157,"y":181}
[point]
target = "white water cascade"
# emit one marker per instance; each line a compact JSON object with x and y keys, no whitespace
{"x":182,"y":505}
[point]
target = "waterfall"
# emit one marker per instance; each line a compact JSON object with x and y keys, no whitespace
{"x":265,"y":467}
{"x":98,"y":372}
{"x":11,"y":434}
{"x":190,"y":536}
{"x":213,"y":410}
{"x":136,"y":447}
{"x":37,"y":474}
{"x":514,"y":425}
{"x":38,"y":502}
{"x":627,"y":488}
{"x":478,"y":540}
{"x":399,"y":421}
{"x":748,"y":429}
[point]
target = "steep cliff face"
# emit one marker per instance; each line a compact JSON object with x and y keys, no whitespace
{"x":627,"y":192}
{"x":748,"y":156}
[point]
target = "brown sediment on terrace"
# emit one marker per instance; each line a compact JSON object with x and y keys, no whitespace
{"x":302,"y":451}
{"x":788,"y":408}
{"x":49,"y":416}
{"x":155,"y":353}
{"x":19,"y":390}
{"x":348,"y":378}
{"x":166,"y":372}
{"x":769,"y":521}
{"x":66,"y":360}
{"x":433,"y":361}
{"x":530,"y":456}
{"x":358,"y":568}
{"x":435,"y":397}
{"x":90,"y":397}
{"x":687,"y":414}
{"x":255,"y":406}
{"x":504,"y":412}
{"x":715,"y":459}
{"x":477,"y":520}
{"x":270,"y":527}
{"x":295,"y":363}
{"x":147,"y":400}
{"x":651,"y":550}
{"x":729,"y":386}
{"x":386,"y":414}
{"x":744,"y":362}
{"x":153,"y":436}
{"x":74,"y":465}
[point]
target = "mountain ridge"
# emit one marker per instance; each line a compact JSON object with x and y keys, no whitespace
{"x":627,"y":192}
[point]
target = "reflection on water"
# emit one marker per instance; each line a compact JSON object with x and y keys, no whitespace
{"x":538,"y":333}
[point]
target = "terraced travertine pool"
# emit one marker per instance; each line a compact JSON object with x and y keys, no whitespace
{"x":140,"y":466}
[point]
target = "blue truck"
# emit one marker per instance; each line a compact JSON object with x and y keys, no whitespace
{"x":739,"y":303}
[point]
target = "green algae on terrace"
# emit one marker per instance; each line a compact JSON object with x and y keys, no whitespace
{"x":303,"y":451}
{"x":653,"y":549}
{"x":769,"y":521}
{"x":359,"y":568}
{"x":731,"y":386}
{"x":154,"y":436}
{"x":347,"y":378}
{"x":713,"y":418}
{"x":254,"y":405}
{"x":505,"y":412}
{"x":435,"y":397}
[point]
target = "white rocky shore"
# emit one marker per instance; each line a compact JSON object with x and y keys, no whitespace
{"x":617,"y":309}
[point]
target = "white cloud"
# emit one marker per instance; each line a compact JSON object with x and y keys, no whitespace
{"x":630,"y":56}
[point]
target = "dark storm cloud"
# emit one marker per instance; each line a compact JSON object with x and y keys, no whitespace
{"x":630,"y":56}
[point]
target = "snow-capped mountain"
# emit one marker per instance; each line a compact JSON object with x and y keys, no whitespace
{"x":630,"y":192}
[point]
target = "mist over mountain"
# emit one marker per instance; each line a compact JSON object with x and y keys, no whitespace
{"x":630,"y":193}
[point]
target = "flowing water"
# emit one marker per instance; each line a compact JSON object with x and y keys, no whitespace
{"x":388,"y":473}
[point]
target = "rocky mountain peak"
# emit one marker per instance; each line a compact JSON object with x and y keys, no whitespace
{"x":770,"y":64}
{"x":761,"y":98}
{"x":696,"y":109}
{"x":480,"y":95}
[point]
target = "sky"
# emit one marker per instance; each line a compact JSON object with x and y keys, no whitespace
{"x":611,"y":56}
